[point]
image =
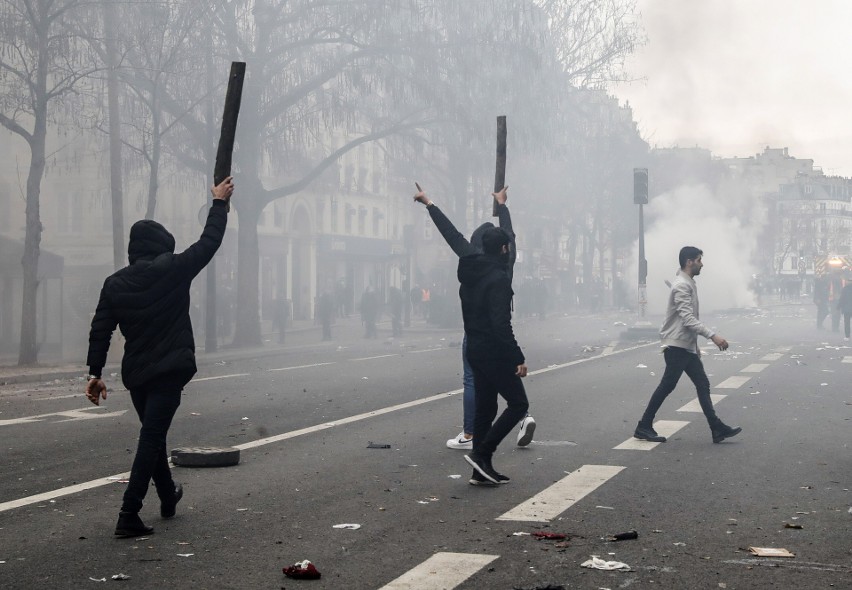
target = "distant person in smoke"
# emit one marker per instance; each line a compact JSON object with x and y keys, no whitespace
{"x":679,"y":335}
{"x":325,"y":312}
{"x":845,"y":305}
{"x":369,"y":312}
{"x":149,"y":301}
{"x":462,"y":247}
{"x":821,"y":299}
{"x":396,"y":300}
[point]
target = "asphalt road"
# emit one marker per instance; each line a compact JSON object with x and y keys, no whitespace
{"x":304,"y":419}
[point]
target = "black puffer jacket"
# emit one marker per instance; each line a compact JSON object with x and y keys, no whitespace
{"x":486,"y":298}
{"x":149,"y":302}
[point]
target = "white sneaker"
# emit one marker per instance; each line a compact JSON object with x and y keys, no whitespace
{"x":460,"y":442}
{"x":525,"y":435}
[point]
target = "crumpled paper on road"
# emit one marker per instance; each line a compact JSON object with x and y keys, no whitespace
{"x":599,"y":564}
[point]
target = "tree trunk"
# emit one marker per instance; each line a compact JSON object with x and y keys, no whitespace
{"x":115,"y":183}
{"x":248,"y":269}
{"x":156,"y":143}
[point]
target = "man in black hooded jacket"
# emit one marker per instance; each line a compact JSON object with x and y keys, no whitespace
{"x":149,"y":302}
{"x":494,"y":355}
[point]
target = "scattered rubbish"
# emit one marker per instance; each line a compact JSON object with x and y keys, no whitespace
{"x":791,"y":525}
{"x":184,"y":543}
{"x":605,"y":507}
{"x":640,"y":366}
{"x":588,"y":349}
{"x":372,"y":445}
{"x":521,"y":534}
{"x":549,"y":535}
{"x":241,"y":509}
{"x":244,"y":418}
{"x":623,"y":536}
{"x":619,"y":324}
{"x":302,"y":570}
{"x":97,"y":579}
{"x":194,"y":414}
{"x":364,"y":378}
{"x":562,"y":544}
{"x":121,"y":577}
{"x":185,"y":554}
{"x":679,"y":544}
{"x":599,"y":564}
{"x":454,"y":476}
{"x":770,"y":552}
{"x":348,"y":526}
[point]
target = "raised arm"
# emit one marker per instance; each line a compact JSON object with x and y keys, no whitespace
{"x":452,"y":236}
{"x":506,"y":224}
{"x":196,"y":257}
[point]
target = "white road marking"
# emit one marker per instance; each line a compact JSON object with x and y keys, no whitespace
{"x":42,"y":399}
{"x":442,"y":571}
{"x":578,"y":361}
{"x":788,"y":563}
{"x":424,"y":350}
{"x":694,"y":406}
{"x":663,"y":427}
{"x":71,"y":415}
{"x":754,"y":368}
{"x":273,"y":439}
{"x":553,"y":501}
{"x":369,"y":358}
{"x":301,"y":367}
{"x":772,"y":356}
{"x":734,"y":382}
{"x":783,"y":348}
{"x":609,"y":348}
{"x":847,"y":359}
{"x":219,"y":377}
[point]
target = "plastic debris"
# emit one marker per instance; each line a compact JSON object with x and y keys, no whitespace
{"x":349,"y":526}
{"x":640,"y":366}
{"x":792,"y":525}
{"x":770,"y":552}
{"x":600,"y":564}
{"x":549,"y":535}
{"x":97,"y":579}
{"x":121,"y":577}
{"x":372,"y":445}
{"x":521,"y":534}
{"x":454,"y":476}
{"x":302,"y":570}
{"x":623,"y":536}
{"x":185,"y":554}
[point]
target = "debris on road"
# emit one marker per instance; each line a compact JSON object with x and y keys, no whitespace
{"x":185,"y":554}
{"x":302,"y":570}
{"x":97,"y":579}
{"x":348,"y":526}
{"x":770,"y":552}
{"x":372,"y":445}
{"x":548,"y":535}
{"x":521,"y":534}
{"x":454,"y":476}
{"x":121,"y":577}
{"x":600,"y":564}
{"x":792,"y":525}
{"x":205,"y":456}
{"x":641,"y":366}
{"x":623,"y":536}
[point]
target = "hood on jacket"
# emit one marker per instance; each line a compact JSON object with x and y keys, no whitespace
{"x":476,"y":236}
{"x":149,"y":239}
{"x":473,"y":268}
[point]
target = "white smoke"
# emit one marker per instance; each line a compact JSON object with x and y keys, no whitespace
{"x":694,"y":216}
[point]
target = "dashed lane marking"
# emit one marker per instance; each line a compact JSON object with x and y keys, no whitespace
{"x":847,"y":359}
{"x":783,"y":348}
{"x":734,"y":382}
{"x":219,"y":377}
{"x":694,"y":406}
{"x":553,"y":501}
{"x":69,"y":415}
{"x":442,"y":571}
{"x":424,"y":350}
{"x":58,"y":493}
{"x":301,"y":367}
{"x":663,"y":427}
{"x":772,"y":356}
{"x":754,"y":368}
{"x":369,"y":358}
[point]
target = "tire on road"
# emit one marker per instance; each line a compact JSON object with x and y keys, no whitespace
{"x":205,"y":456}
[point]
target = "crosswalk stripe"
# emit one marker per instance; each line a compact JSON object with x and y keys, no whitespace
{"x":694,"y":406}
{"x":301,"y":367}
{"x":734,"y":382}
{"x":847,"y":359}
{"x":754,"y":368}
{"x":663,"y":427}
{"x":442,"y":571}
{"x":553,"y":501}
{"x":772,"y":356}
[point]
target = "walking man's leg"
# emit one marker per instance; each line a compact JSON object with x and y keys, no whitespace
{"x":676,"y":359}
{"x":695,"y":371}
{"x":486,"y":411}
{"x":846,"y":321}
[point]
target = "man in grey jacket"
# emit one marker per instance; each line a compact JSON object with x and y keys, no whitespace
{"x":679,"y":336}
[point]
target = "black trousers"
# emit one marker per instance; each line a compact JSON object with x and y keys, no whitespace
{"x":678,"y":362}
{"x":156,"y":406}
{"x":846,"y":319}
{"x":490,"y":379}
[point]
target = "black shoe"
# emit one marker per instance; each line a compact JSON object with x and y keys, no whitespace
{"x":723,"y":431}
{"x":478,"y":480}
{"x":130,"y":525}
{"x":483,"y":466}
{"x":168,"y":507}
{"x":643,"y":432}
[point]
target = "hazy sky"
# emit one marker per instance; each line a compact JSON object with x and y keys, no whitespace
{"x":737,"y":75}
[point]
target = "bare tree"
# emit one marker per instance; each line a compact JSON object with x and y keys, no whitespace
{"x":39,"y":65}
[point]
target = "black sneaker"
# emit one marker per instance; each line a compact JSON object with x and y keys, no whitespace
{"x":130,"y":525}
{"x":169,"y":507}
{"x":648,"y":433}
{"x":483,"y":466}
{"x":478,"y":480}
{"x":723,"y":431}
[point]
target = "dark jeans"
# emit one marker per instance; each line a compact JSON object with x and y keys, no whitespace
{"x":846,"y":319}
{"x":678,"y":362}
{"x":156,"y":406}
{"x":491,"y":378}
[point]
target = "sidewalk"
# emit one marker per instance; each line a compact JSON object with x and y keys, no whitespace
{"x":299,"y":334}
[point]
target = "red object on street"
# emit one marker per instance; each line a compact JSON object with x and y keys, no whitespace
{"x":546,"y":535}
{"x":303,"y":570}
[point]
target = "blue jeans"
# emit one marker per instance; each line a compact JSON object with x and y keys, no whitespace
{"x":680,"y":361}
{"x":156,"y":406}
{"x":469,"y":391}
